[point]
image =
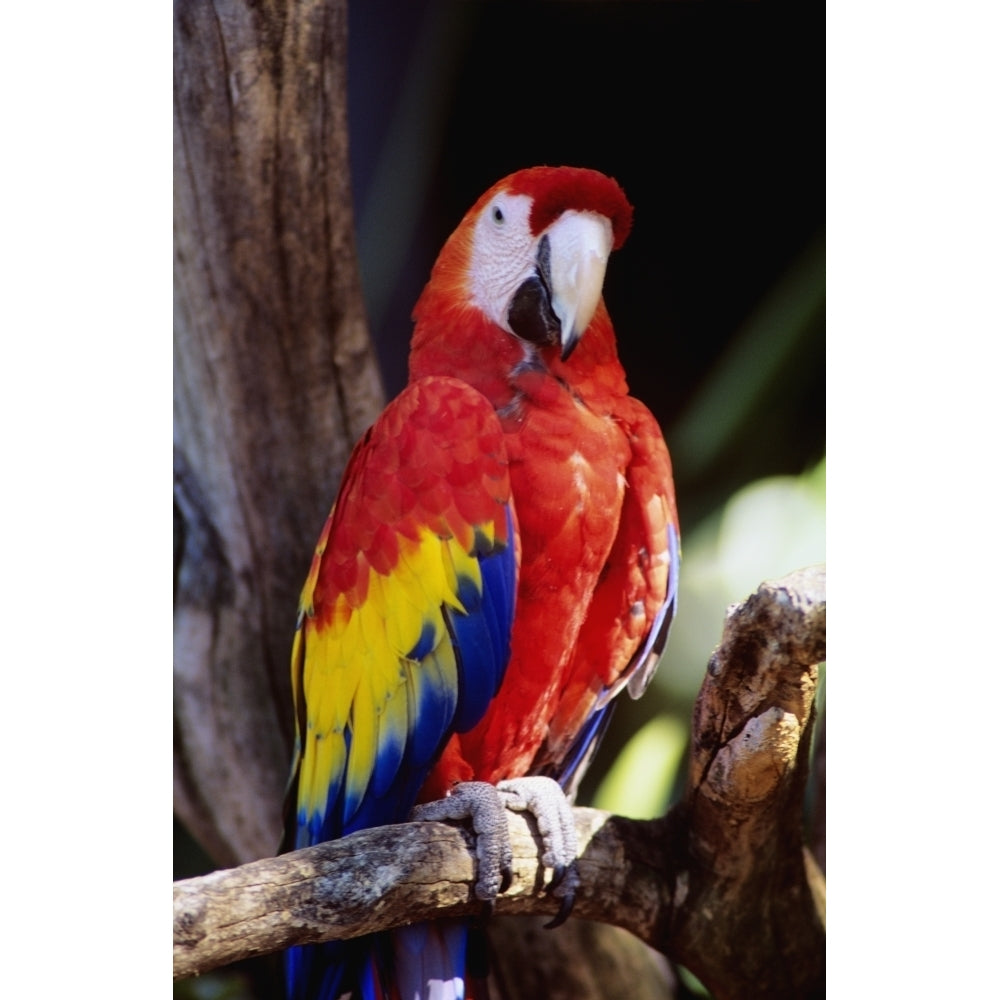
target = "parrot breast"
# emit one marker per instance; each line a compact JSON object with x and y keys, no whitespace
{"x":566,"y":471}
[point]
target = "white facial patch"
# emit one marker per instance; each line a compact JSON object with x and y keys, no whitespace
{"x":503,"y":255}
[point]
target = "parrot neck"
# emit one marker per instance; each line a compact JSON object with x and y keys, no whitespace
{"x":460,"y":341}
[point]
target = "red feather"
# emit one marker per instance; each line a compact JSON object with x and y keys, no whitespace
{"x":555,"y":189}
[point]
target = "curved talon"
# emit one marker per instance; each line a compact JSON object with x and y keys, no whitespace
{"x":567,"y":879}
{"x":558,"y":874}
{"x":506,"y":878}
{"x":480,"y":803}
{"x":565,"y":908}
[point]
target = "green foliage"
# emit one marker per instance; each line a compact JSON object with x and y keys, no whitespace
{"x":765,"y":530}
{"x":656,"y":752}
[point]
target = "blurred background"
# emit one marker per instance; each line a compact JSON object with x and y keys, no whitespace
{"x":712,"y":118}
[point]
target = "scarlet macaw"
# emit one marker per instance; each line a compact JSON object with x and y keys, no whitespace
{"x":501,"y":560}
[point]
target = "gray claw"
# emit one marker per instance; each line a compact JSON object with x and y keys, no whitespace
{"x":548,"y":803}
{"x":507,"y":876}
{"x":485,"y":806}
{"x":479,"y":802}
{"x":565,"y":908}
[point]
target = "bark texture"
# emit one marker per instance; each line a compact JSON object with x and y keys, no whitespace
{"x":274,"y":380}
{"x":751,"y":917}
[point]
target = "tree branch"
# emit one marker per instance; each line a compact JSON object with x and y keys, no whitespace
{"x":743,"y":812}
{"x":380,"y":878}
{"x":722,"y":884}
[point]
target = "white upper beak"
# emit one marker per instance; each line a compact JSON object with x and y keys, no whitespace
{"x":579,"y":244}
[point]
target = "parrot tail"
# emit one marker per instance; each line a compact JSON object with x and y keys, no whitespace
{"x":433,"y":962}
{"x":430,"y":961}
{"x":323,"y":971}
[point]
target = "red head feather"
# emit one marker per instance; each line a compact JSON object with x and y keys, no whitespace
{"x":556,"y":189}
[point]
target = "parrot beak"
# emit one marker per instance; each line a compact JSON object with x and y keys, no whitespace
{"x":579,"y":247}
{"x":556,"y":304}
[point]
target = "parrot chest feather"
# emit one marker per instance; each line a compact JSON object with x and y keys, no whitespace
{"x":567,"y":466}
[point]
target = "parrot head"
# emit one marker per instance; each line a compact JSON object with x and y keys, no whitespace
{"x":531,"y":254}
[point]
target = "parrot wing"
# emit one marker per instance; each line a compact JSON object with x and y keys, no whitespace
{"x":405,"y":617}
{"x":628,"y":620}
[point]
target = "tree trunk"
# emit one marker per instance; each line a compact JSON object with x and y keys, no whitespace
{"x":274,"y":380}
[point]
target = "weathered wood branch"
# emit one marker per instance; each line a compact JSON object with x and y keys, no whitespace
{"x":380,"y":878}
{"x":722,"y":884}
{"x":750,"y":914}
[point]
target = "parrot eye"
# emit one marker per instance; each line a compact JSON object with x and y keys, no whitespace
{"x":497,"y":215}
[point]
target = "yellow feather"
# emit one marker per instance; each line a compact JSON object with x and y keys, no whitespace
{"x":361,"y":759}
{"x":354,"y":672}
{"x":328,"y":754}
{"x":297,"y":668}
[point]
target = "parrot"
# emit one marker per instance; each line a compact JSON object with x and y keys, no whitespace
{"x":501,"y":562}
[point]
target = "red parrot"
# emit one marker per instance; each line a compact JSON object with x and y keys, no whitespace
{"x":500,"y":562}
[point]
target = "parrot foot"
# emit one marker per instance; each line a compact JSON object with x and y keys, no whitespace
{"x":479,"y":802}
{"x":547,"y":802}
{"x":484,"y":805}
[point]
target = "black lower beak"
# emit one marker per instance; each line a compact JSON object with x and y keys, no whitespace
{"x":530,"y":314}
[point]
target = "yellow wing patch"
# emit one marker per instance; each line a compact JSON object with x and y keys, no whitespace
{"x":361,"y":683}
